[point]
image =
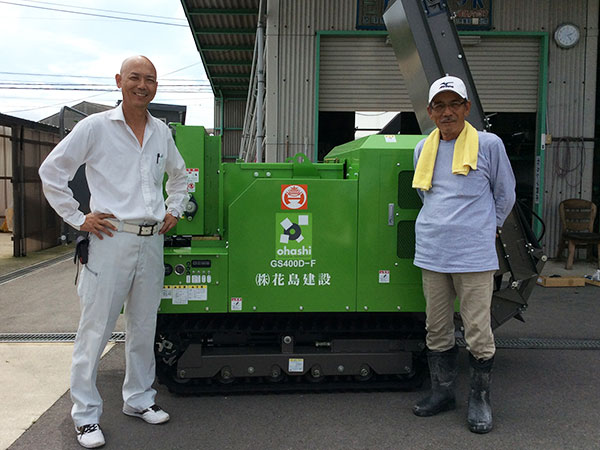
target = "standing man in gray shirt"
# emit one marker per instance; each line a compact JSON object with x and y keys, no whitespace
{"x":126,"y":152}
{"x":467,"y":186}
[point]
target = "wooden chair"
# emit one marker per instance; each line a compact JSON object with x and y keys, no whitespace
{"x":577,"y":221}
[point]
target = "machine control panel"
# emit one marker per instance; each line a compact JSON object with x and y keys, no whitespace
{"x":194,"y":281}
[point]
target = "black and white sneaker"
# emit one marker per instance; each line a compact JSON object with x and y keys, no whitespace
{"x":90,"y":436}
{"x":153,"y":414}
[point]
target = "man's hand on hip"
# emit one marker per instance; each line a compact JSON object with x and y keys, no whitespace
{"x":169,"y":222}
{"x":96,"y":223}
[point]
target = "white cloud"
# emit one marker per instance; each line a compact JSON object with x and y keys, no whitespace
{"x":47,"y":42}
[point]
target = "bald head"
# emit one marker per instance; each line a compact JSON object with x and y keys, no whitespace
{"x":132,"y":61}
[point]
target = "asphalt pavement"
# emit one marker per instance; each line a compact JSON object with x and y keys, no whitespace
{"x":542,"y":398}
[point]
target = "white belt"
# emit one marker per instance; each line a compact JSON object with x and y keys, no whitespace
{"x":140,"y":230}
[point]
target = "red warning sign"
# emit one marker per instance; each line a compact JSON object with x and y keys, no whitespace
{"x":294,"y":196}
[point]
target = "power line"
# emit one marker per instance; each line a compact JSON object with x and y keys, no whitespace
{"x":179,"y":70}
{"x":52,"y":75}
{"x":35,"y":84}
{"x":28,"y":74}
{"x":94,"y":15}
{"x":56,"y":89}
{"x":76,"y":20}
{"x":58,"y":104}
{"x":104,"y":10}
{"x":39,"y":88}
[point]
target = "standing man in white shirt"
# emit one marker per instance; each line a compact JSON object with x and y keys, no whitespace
{"x":126,"y":152}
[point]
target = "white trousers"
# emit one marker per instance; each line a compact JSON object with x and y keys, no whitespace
{"x":123,"y":270}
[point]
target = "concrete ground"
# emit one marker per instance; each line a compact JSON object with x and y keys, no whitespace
{"x":8,"y":263}
{"x":34,"y":376}
{"x":543,"y":399}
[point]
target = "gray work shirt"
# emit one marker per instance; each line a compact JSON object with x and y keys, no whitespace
{"x":456,"y":228}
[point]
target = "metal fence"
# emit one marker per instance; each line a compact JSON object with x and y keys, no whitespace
{"x":23,"y":147}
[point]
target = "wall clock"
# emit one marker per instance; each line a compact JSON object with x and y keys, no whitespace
{"x":566,"y":35}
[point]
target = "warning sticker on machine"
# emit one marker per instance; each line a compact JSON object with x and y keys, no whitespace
{"x":181,"y":295}
{"x":193,"y":175}
{"x":199,"y":293}
{"x":296,"y":365}
{"x":384,"y":276}
{"x":390,"y":138}
{"x":236,"y":303}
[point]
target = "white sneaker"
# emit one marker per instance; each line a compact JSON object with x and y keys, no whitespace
{"x":90,"y":436}
{"x":153,"y":414}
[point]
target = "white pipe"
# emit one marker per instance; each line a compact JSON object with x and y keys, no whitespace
{"x":245,"y":133}
{"x":260,"y":94}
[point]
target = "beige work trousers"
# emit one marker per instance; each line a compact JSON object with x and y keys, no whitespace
{"x":474,"y":291}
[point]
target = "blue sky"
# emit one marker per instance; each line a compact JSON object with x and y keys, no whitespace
{"x":88,"y":50}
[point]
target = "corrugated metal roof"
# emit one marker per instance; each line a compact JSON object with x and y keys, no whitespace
{"x":224,"y":32}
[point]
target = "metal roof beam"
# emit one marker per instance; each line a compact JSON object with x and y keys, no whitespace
{"x":225,"y":31}
{"x":229,"y":63}
{"x":222,"y":11}
{"x":231,"y":85}
{"x":230,"y":75}
{"x":227,"y":95}
{"x":219,"y":48}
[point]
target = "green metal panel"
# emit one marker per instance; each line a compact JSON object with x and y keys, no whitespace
{"x":238,"y":176}
{"x":388,"y":208}
{"x":191,"y":144}
{"x":286,"y":260}
{"x":213,"y":195}
{"x":202,"y":287}
{"x":202,"y":155}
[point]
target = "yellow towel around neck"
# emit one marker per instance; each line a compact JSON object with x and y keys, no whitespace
{"x":463,"y":160}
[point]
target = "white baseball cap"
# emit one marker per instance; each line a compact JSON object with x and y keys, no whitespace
{"x":448,"y":83}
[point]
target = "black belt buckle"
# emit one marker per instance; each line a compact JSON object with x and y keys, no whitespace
{"x":142,"y":230}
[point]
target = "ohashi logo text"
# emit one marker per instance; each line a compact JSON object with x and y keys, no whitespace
{"x":294,"y":196}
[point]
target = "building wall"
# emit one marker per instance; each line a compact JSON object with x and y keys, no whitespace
{"x":229,"y":122}
{"x":6,"y":195}
{"x":291,"y":83}
{"x":36,"y":225}
{"x":360,"y":73}
{"x":166,"y":113}
{"x":23,"y":147}
{"x":570,"y":101}
{"x":71,"y":117}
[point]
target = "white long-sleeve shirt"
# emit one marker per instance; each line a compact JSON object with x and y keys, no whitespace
{"x":124,"y":178}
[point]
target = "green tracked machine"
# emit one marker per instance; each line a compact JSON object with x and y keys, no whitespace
{"x":293,"y":274}
{"x":300,"y":275}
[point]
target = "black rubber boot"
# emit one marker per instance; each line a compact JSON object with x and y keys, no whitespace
{"x":480,"y":408}
{"x":443,"y":369}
